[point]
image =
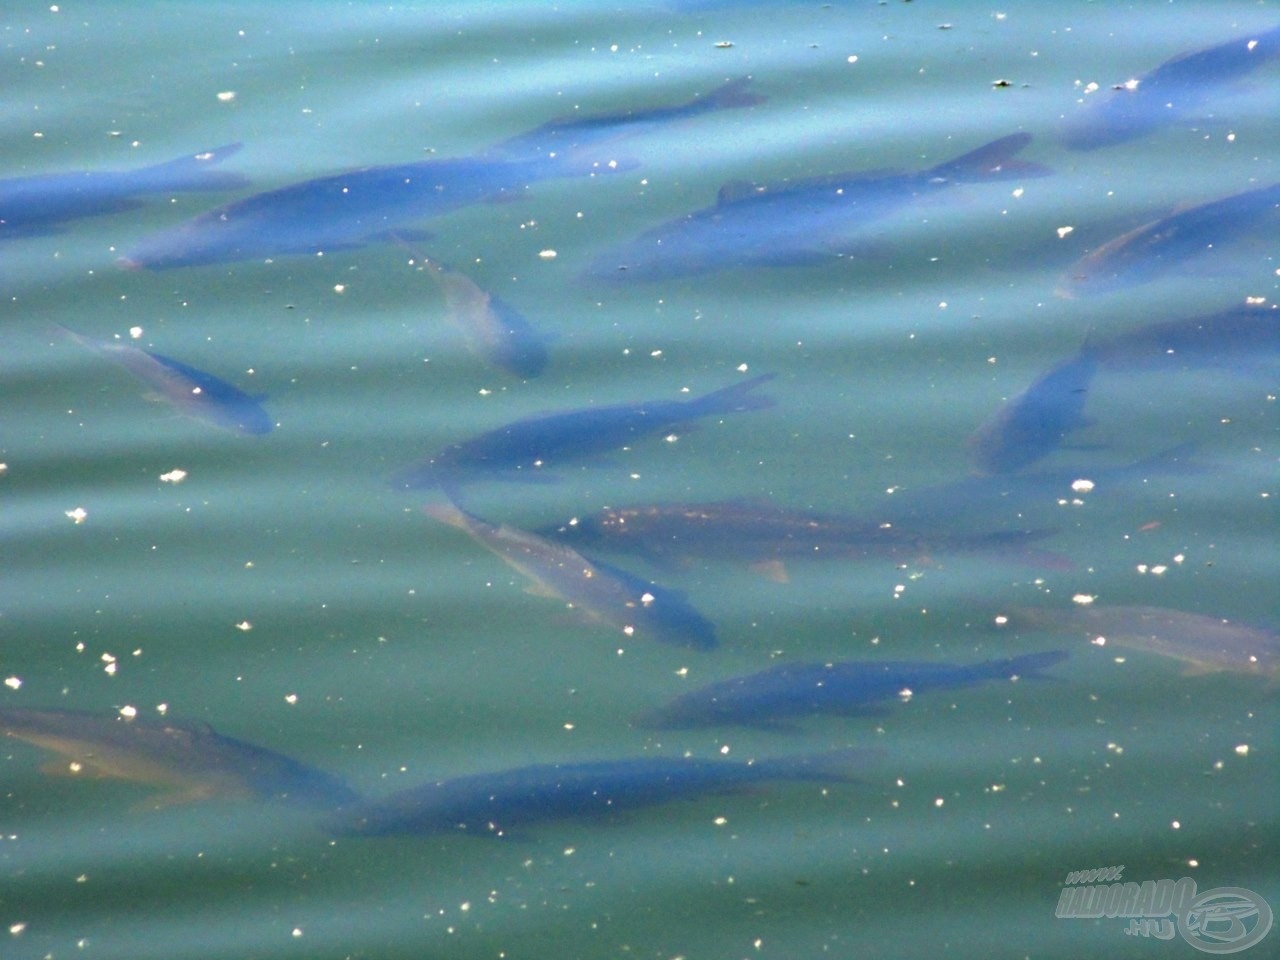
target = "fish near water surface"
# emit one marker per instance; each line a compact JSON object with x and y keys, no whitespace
{"x":630,"y":604}
{"x":1033,"y":424}
{"x":504,"y":803}
{"x":1205,"y":644}
{"x":797,"y":222}
{"x":1174,"y":92}
{"x":774,"y":698}
{"x":521,"y":450}
{"x":197,"y":394}
{"x":189,"y":761}
{"x":35,"y":205}
{"x":1242,"y":338}
{"x":1156,"y":249}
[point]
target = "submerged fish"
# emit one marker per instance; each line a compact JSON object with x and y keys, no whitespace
{"x":1155,"y":249}
{"x":1243,"y":337}
{"x":190,"y":761}
{"x":520,"y":450}
{"x":501,"y":804}
{"x":1205,"y":644}
{"x":33,"y":205}
{"x":574,"y":132}
{"x":193,"y":392}
{"x":765,"y":535}
{"x":797,"y":222}
{"x":496,"y":332}
{"x":1174,"y":92}
{"x":1033,"y":424}
{"x":772,"y":698}
{"x":602,"y":592}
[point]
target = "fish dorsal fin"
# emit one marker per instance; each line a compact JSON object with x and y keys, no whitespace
{"x":738,"y":190}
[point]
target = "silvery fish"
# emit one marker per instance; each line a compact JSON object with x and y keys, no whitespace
{"x":1033,"y":424}
{"x":193,"y":392}
{"x":190,"y":761}
{"x":1241,"y":338}
{"x":520,"y":450}
{"x":773,"y":699}
{"x":797,"y":222}
{"x":1179,"y":90}
{"x":1205,"y":644}
{"x":34,"y":205}
{"x":502,"y":804}
{"x":634,"y":606}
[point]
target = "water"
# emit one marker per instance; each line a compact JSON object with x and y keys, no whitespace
{"x":286,"y":595}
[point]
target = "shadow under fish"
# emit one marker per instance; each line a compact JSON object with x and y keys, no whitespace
{"x":188,"y":761}
{"x":630,"y":604}
{"x":1180,"y":90}
{"x":505,"y":803}
{"x":197,"y":394}
{"x":35,"y":205}
{"x":797,"y":222}
{"x":774,"y":699}
{"x":521,"y":451}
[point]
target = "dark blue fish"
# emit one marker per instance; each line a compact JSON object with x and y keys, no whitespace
{"x":190,"y":761}
{"x":521,"y":450}
{"x":1034,"y":423}
{"x":802,"y":221}
{"x":502,"y":804}
{"x":1177,"y":91}
{"x":1157,"y":248}
{"x":1242,"y":338}
{"x":574,"y":133}
{"x":193,"y":392}
{"x":34,"y":205}
{"x":773,"y":698}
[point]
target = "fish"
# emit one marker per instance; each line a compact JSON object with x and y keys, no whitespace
{"x":499,"y":335}
{"x":604,"y":593}
{"x":574,"y":132}
{"x":773,"y":699}
{"x":1033,"y":424}
{"x":1174,"y":92}
{"x":188,"y":761}
{"x":197,"y":394}
{"x":520,"y":451}
{"x":1241,"y":338}
{"x":30,"y":206}
{"x":505,"y":803}
{"x":1161,"y":246}
{"x":765,"y":535}
{"x":798,"y":222}
{"x":1205,"y":644}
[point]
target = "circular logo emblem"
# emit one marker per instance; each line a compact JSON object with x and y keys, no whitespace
{"x":1225,"y":920}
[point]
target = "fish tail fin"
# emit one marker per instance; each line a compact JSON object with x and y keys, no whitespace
{"x":829,"y":766}
{"x":735,"y":397}
{"x":992,"y":161}
{"x":447,"y":512}
{"x":192,"y":172}
{"x":733,"y":93}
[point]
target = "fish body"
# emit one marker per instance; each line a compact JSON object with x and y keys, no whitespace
{"x":34,"y":205}
{"x":193,"y":392}
{"x":604,"y":593}
{"x":1033,"y":424}
{"x":797,"y":222}
{"x":520,"y":450}
{"x":504,"y":803}
{"x":340,"y":211}
{"x":496,"y":332}
{"x":1157,"y":248}
{"x":189,"y":761}
{"x":1174,"y":92}
{"x":575,"y":133}
{"x":1242,"y":337}
{"x":1204,"y":644}
{"x":776,"y":697}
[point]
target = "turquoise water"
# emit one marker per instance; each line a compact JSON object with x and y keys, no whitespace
{"x":287,"y":595}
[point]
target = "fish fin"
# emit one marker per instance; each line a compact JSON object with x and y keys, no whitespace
{"x":192,"y":172}
{"x":991,"y":161}
{"x":542,"y":590}
{"x":734,"y":93}
{"x":734,"y":397}
{"x":774,"y":570}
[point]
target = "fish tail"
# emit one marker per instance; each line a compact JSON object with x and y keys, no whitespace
{"x":993,"y":161}
{"x":447,"y":512}
{"x":192,"y":172}
{"x":830,"y":766}
{"x":734,"y":397}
